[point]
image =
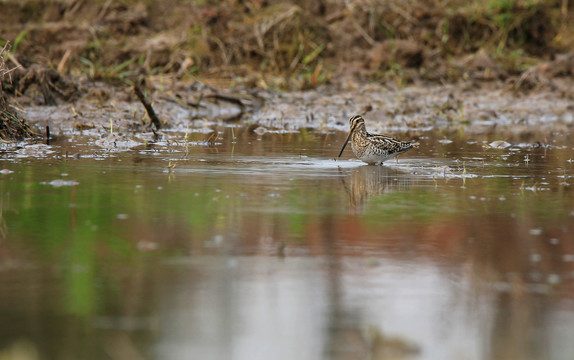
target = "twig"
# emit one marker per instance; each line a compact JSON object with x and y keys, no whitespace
{"x":11,"y":58}
{"x":364,"y":34}
{"x":147,"y":105}
{"x":104,"y":10}
{"x":73,"y":7}
{"x":62,"y":63}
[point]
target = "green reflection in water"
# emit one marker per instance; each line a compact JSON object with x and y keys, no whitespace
{"x":79,"y":266}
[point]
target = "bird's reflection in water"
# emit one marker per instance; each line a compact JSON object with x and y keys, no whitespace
{"x":367,"y":181}
{"x":348,"y":336}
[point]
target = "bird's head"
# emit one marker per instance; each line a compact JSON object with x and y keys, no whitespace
{"x":355,"y":122}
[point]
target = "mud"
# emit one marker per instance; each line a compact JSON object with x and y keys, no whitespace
{"x":482,"y":110}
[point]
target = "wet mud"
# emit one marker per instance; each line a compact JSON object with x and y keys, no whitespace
{"x":410,"y":112}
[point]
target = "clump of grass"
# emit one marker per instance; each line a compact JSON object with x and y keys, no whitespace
{"x":98,"y":71}
{"x":12,"y":126}
{"x":279,"y":40}
{"x":503,"y":26}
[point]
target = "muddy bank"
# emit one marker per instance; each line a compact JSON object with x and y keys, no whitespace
{"x":457,"y":107}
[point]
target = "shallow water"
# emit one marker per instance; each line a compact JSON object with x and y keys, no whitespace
{"x":264,"y":247}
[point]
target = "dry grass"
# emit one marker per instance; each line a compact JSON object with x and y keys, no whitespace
{"x":296,"y":44}
{"x":12,"y":126}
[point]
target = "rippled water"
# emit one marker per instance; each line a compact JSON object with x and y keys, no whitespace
{"x":264,"y":247}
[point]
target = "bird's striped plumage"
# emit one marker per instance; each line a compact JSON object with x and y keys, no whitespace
{"x":372,"y":148}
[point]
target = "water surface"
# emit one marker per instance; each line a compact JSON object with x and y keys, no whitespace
{"x":264,"y":247}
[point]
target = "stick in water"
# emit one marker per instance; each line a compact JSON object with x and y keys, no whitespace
{"x":147,"y":105}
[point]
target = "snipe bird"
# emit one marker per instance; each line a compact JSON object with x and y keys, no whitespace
{"x":372,"y":148}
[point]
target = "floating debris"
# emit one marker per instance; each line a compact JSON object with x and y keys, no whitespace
{"x":260,"y":130}
{"x":499,"y":144}
{"x":116,"y":142}
{"x":146,"y":245}
{"x":535,"y":257}
{"x":553,"y":279}
{"x":60,"y":183}
{"x":35,"y":150}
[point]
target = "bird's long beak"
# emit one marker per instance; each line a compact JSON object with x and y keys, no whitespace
{"x":345,"y":143}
